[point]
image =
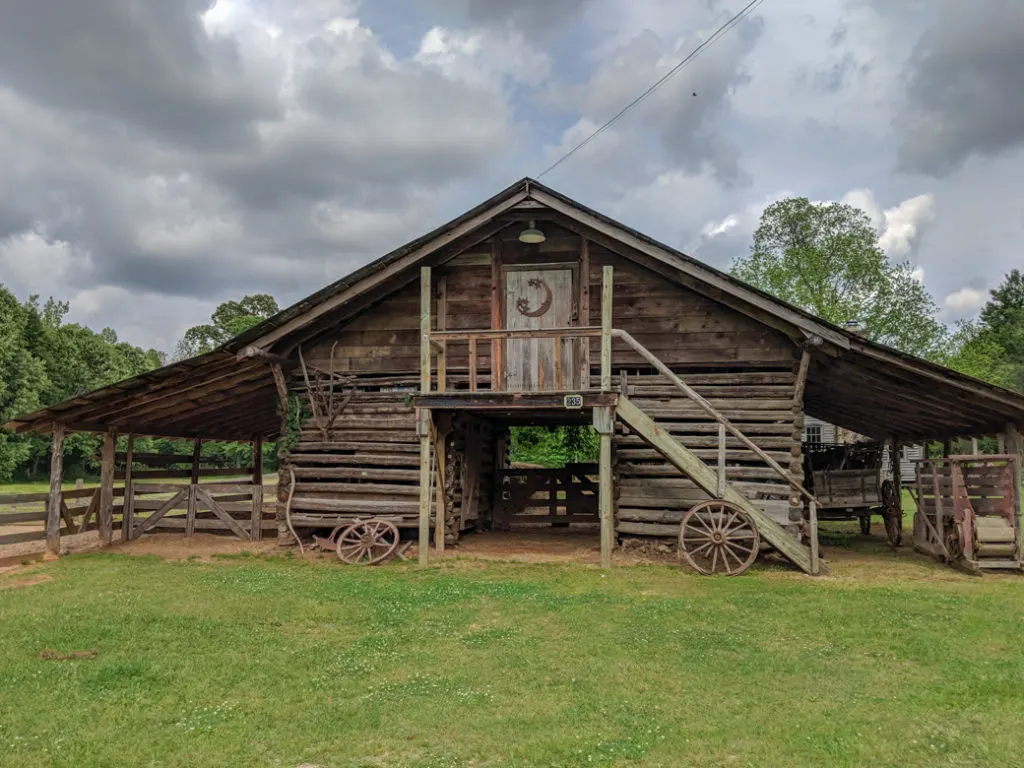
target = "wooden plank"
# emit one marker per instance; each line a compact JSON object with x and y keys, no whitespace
{"x":606,"y":328}
{"x":17,"y":538}
{"x":721,"y":461}
{"x":22,"y":517}
{"x":701,"y":474}
{"x":472,"y":365}
{"x":190,"y":512}
{"x":93,"y":509}
{"x":425,"y":299}
{"x":105,"y":510}
{"x":255,"y":521}
{"x":55,"y":500}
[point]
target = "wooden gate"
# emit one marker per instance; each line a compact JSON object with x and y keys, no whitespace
{"x":191,"y":508}
{"x":549,"y":496}
{"x":536,"y":298}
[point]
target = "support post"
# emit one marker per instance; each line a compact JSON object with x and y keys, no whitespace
{"x":128,"y":515}
{"x":425,"y":298}
{"x":423,"y":430}
{"x":105,"y":513}
{"x":472,"y":364}
{"x":256,"y":519}
{"x":257,"y":461}
{"x":604,"y":423}
{"x":197,"y":450}
{"x":815,"y":560}
{"x":606,"y":329}
{"x":56,"y":498}
{"x":895,"y":451}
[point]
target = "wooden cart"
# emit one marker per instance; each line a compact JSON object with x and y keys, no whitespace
{"x":851,"y":483}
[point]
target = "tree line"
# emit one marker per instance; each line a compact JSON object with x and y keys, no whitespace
{"x":822,"y":257}
{"x":44,"y":360}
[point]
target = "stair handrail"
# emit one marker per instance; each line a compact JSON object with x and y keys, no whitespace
{"x":710,"y":410}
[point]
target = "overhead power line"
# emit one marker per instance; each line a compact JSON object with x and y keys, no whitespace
{"x":718,"y":33}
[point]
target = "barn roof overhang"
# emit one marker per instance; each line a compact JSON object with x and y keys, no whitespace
{"x":231,"y":393}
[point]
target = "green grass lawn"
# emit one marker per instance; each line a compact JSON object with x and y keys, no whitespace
{"x":278,"y":662}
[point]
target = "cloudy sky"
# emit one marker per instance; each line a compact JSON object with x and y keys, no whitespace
{"x":159,"y":157}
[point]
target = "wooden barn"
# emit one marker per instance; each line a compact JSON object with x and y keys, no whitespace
{"x":398,"y":385}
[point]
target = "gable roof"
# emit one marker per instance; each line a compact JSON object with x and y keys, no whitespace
{"x":858,"y":384}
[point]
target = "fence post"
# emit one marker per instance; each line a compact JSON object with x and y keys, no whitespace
{"x":423,"y":430}
{"x":56,"y":498}
{"x":604,"y":423}
{"x":256,"y":521}
{"x":105,"y":512}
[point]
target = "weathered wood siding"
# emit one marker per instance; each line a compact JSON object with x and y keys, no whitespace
{"x":746,"y":369}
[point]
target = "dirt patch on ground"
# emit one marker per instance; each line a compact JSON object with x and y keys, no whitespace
{"x":548,"y":545}
{"x":28,"y":581}
{"x":174,"y":546}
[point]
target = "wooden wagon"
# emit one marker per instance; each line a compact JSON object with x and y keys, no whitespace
{"x":850,"y":483}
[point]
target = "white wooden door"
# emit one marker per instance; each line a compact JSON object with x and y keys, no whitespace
{"x":534,"y":299}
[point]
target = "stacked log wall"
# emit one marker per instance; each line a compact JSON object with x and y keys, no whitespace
{"x":745,"y":369}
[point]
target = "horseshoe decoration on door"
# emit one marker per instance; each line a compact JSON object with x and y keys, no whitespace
{"x":523,"y":305}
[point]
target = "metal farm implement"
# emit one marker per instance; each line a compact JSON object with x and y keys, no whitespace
{"x":968,"y":511}
{"x":364,"y":542}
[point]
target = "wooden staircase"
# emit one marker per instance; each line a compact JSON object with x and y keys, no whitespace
{"x":707,"y":478}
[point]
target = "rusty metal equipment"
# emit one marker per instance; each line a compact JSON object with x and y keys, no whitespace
{"x":850,"y":483}
{"x":717,"y":537}
{"x":363,"y":542}
{"x":968,"y":512}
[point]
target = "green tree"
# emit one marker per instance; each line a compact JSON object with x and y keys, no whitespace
{"x":227,"y":321}
{"x":825,"y":258}
{"x":1003,"y":319}
{"x":992,"y":348}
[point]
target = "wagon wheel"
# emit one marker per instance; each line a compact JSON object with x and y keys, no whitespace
{"x":892,"y":515}
{"x":718,"y":537}
{"x":865,"y":524}
{"x":367,"y":542}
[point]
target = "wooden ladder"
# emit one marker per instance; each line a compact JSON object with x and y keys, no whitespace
{"x":686,"y":461}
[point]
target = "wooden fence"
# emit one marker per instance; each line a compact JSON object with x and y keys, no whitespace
{"x":197,"y":507}
{"x":550,"y":496}
{"x":214,"y":506}
{"x":78,"y":513}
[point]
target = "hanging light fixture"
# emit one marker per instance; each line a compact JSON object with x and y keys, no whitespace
{"x":531,"y":234}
